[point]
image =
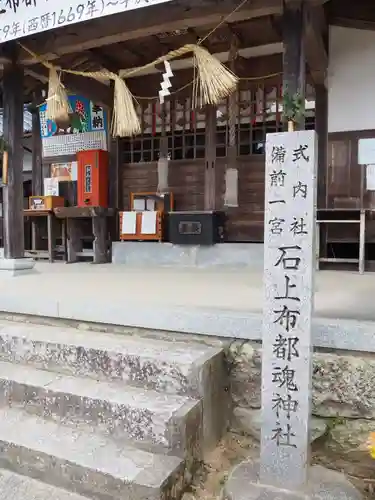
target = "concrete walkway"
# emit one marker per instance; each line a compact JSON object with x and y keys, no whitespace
{"x":225,"y":302}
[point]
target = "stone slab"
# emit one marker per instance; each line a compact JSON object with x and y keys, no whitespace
{"x":184,"y":368}
{"x":249,"y":422}
{"x":16,"y":267}
{"x":16,"y":487}
{"x":346,"y":447}
{"x":343,"y":384}
{"x":153,"y":420}
{"x":198,"y":301}
{"x":156,"y":364}
{"x":83,"y":462}
{"x":223,"y":255}
{"x":323,"y":484}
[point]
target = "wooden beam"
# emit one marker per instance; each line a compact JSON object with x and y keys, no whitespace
{"x":347,"y":22}
{"x":178,"y":65}
{"x":14,"y":246}
{"x":42,"y":78}
{"x":310,"y":2}
{"x":294,"y":68}
{"x":315,"y":43}
{"x":143,"y":22}
{"x":104,"y":60}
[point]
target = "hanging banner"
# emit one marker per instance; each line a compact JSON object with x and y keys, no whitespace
{"x":19,"y":18}
{"x":87,"y":129}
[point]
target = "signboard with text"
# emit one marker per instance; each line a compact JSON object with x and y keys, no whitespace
{"x":87,"y":129}
{"x":19,"y":18}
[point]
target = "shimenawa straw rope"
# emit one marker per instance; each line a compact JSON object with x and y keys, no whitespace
{"x":212,"y":82}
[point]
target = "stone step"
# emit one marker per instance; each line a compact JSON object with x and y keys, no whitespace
{"x":172,"y":367}
{"x":156,"y":421}
{"x":85,"y":463}
{"x":16,"y":487}
{"x":185,"y":368}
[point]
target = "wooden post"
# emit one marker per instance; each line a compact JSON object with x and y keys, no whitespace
{"x":36,"y":146}
{"x":114,"y":174}
{"x":294,"y":66}
{"x":231,"y":171}
{"x":163,"y":161}
{"x":74,"y":239}
{"x":99,"y":229}
{"x":114,"y":181}
{"x":321,"y":127}
{"x":13,"y":135}
{"x":210,"y":177}
{"x":232,"y":147}
{"x":114,"y":186}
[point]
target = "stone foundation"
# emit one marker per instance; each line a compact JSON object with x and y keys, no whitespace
{"x":343,"y":404}
{"x":343,"y":394}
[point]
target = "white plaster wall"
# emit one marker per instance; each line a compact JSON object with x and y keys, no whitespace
{"x":351,"y":80}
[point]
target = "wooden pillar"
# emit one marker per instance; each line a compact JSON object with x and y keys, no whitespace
{"x":232,"y":147}
{"x":13,"y":136}
{"x":321,"y":127}
{"x":231,"y":171}
{"x":99,"y":229}
{"x":210,"y":177}
{"x":114,"y":187}
{"x":114,"y":181}
{"x":294,"y":65}
{"x":163,"y":161}
{"x":114,"y":174}
{"x":36,"y":146}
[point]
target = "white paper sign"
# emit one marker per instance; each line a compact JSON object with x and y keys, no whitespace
{"x":366,"y":151}
{"x":370,"y":177}
{"x":139,"y":204}
{"x":149,"y":222}
{"x":129,"y":223}
{"x":51,"y":186}
{"x":20,"y":18}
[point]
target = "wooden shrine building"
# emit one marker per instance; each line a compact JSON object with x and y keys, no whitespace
{"x":320,"y":50}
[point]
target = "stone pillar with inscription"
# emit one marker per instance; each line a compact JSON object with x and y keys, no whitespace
{"x":283,"y":470}
{"x":289,"y":253}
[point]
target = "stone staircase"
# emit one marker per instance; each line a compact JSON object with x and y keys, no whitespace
{"x":104,"y":416}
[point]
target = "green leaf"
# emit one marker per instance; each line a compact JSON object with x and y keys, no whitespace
{"x":293,"y":106}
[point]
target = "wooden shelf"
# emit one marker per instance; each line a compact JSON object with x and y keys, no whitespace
{"x":82,"y":212}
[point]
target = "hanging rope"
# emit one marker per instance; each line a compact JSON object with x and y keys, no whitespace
{"x":212,"y":82}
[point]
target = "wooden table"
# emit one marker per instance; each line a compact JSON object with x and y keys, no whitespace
{"x":35,"y":216}
{"x":73,"y":218}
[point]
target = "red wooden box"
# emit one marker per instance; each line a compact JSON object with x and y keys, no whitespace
{"x":92,"y":179}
